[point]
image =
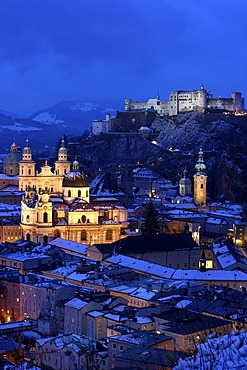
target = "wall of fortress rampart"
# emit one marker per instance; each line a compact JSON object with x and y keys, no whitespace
{"x":187,"y":101}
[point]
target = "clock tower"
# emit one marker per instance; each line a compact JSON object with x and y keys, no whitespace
{"x":200,"y":182}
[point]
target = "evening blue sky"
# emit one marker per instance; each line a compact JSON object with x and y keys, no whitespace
{"x":104,"y":51}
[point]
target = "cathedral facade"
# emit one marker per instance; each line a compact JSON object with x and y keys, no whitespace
{"x":57,"y":204}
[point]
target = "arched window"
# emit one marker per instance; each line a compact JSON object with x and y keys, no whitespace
{"x":29,"y":171}
{"x":79,"y":193}
{"x":109,"y":235}
{"x":83,"y":219}
{"x":201,"y":186}
{"x":28,"y":237}
{"x":86,"y":193}
{"x":45,"y":217}
{"x":83,"y":235}
{"x":69,"y":193}
{"x":45,"y":238}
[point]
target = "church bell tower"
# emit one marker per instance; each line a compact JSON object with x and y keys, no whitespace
{"x":200,"y":182}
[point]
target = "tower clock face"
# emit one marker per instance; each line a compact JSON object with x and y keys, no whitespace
{"x":45,"y":207}
{"x":202,"y":177}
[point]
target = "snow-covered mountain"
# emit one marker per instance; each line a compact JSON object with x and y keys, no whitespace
{"x":74,"y":116}
{"x":45,"y":127}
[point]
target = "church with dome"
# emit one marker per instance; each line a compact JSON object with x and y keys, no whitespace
{"x":11,"y":161}
{"x":57,"y":204}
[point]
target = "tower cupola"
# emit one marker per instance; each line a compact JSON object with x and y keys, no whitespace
{"x":14,"y":147}
{"x":26,"y":152}
{"x":200,"y":166}
{"x":185,"y":184}
{"x":62,"y":152}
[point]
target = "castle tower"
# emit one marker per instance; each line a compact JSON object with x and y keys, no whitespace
{"x":202,"y":98}
{"x":11,"y":161}
{"x":62,"y":165}
{"x":200,"y":181}
{"x":185,"y":184}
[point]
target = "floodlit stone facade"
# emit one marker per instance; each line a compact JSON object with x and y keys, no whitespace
{"x":57,"y":204}
{"x":188,"y":101}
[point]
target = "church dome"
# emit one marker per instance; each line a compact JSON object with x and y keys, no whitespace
{"x":62,"y":149}
{"x":26,"y":149}
{"x":75,"y":178}
{"x":185,"y":180}
{"x":12,"y":159}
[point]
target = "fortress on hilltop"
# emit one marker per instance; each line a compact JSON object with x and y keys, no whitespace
{"x":189,"y":101}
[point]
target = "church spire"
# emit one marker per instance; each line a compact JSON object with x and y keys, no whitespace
{"x":200,"y":181}
{"x":200,"y":166}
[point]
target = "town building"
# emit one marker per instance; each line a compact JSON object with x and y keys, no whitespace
{"x":120,"y":343}
{"x":188,"y":328}
{"x":171,"y":250}
{"x":57,"y":203}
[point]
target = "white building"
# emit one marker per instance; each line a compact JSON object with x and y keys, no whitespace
{"x":188,"y":101}
{"x":104,"y":125}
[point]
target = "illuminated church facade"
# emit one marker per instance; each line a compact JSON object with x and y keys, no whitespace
{"x":57,"y":204}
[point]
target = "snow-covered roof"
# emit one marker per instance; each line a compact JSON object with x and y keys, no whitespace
{"x":216,"y":221}
{"x":141,"y":265}
{"x":76,"y":303}
{"x":169,"y":273}
{"x":70,"y":246}
{"x":77,"y":276}
{"x":95,"y":313}
{"x":3,"y":176}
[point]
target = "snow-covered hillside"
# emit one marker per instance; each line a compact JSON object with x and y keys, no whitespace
{"x":74,"y":116}
{"x":218,"y":353}
{"x":186,"y":132}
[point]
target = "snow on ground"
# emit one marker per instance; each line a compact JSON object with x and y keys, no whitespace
{"x":224,"y":352}
{"x":47,"y":118}
{"x":19,"y":127}
{"x":83,"y":107}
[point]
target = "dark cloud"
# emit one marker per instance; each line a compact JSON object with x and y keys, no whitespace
{"x":93,"y":49}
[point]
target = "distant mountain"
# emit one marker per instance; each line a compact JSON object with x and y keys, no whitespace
{"x":11,"y":114}
{"x":74,"y":116}
{"x":45,"y":127}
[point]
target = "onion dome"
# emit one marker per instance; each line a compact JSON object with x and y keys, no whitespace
{"x":75,"y":178}
{"x":62,"y":150}
{"x":26,"y":149}
{"x":185,"y":179}
{"x":200,"y":166}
